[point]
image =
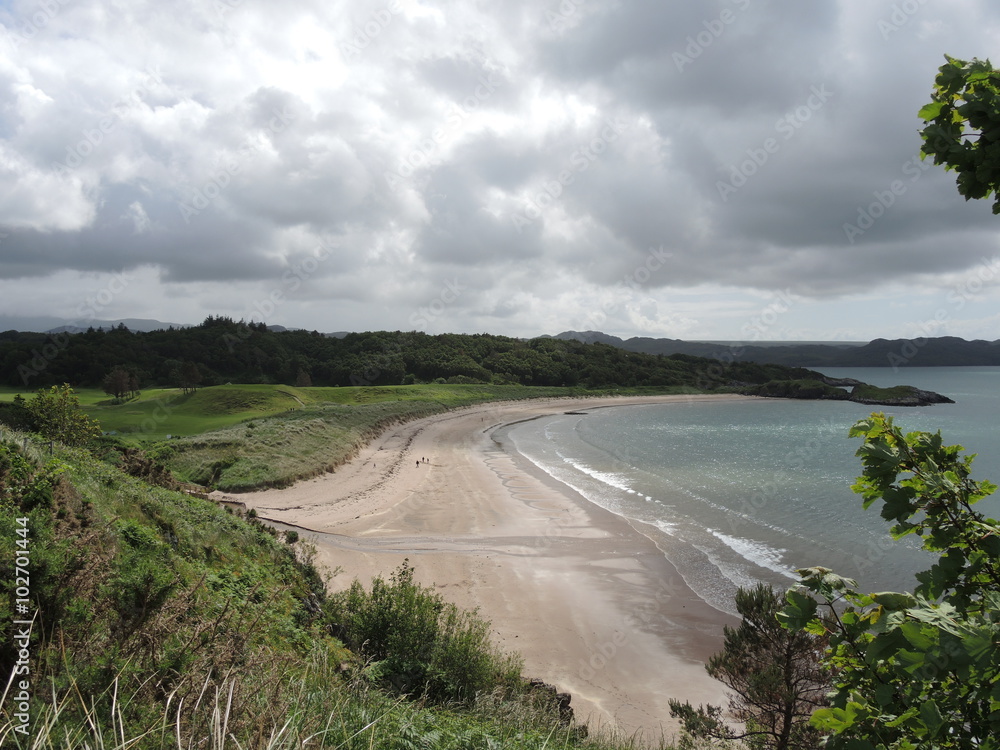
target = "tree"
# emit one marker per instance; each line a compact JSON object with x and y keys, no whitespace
{"x":921,"y":669}
{"x":133,"y":385}
{"x":56,"y":415}
{"x":963,"y":126}
{"x":116,"y":383}
{"x":774,"y":674}
{"x":187,"y":375}
{"x":16,"y":415}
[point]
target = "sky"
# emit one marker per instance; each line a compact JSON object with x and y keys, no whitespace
{"x":732,"y":170}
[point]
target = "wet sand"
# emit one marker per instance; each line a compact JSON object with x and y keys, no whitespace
{"x":588,"y":600}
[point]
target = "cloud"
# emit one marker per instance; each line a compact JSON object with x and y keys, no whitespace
{"x":532,"y":154}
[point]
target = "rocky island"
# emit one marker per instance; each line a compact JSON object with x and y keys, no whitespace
{"x":835,"y":389}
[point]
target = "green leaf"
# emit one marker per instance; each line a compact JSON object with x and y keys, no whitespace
{"x":799,"y":612}
{"x":931,"y":716}
{"x":894,"y":601}
{"x":930,"y":111}
{"x":885,"y":645}
{"x":857,"y":744}
{"x":833,"y":720}
{"x":979,"y":643}
{"x":884,"y":694}
{"x":917,"y":635}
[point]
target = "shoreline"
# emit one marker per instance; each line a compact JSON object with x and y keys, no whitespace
{"x":587,"y":599}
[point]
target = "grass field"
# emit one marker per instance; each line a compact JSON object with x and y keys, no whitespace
{"x":159,"y":413}
{"x":243,"y":437}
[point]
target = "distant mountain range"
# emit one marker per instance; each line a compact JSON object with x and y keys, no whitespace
{"x":45,"y":324}
{"x":945,"y":351}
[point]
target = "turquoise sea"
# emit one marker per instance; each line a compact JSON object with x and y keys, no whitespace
{"x":737,"y":492}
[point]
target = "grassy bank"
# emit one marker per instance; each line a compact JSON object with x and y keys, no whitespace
{"x":321,"y":434}
{"x":244,"y":437}
{"x":276,"y":451}
{"x":164,"y":621}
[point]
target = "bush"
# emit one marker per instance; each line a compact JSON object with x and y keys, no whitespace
{"x":419,"y":644}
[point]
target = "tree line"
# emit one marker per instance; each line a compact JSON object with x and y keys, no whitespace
{"x":222,"y":350}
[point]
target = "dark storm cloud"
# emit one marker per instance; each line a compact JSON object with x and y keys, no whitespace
{"x":538,"y":155}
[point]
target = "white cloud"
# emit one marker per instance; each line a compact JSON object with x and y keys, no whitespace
{"x":210,"y":148}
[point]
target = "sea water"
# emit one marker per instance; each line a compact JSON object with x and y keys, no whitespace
{"x":735,"y":492}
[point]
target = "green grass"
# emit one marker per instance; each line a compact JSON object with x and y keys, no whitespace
{"x":160,"y":412}
{"x":877,"y":393}
{"x":166,"y":622}
{"x":277,"y":449}
{"x":243,"y":437}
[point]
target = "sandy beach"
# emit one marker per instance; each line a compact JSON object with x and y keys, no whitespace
{"x":588,"y":600}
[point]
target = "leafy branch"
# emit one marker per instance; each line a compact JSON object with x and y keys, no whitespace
{"x":921,"y":669}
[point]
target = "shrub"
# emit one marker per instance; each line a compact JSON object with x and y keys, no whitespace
{"x":418,"y":643}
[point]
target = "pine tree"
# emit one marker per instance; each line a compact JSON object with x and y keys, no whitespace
{"x":774,"y":674}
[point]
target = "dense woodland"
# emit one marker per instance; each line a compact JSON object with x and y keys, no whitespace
{"x":222,"y":350}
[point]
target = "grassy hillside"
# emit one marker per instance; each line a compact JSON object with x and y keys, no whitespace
{"x":241,"y":437}
{"x":317,"y":437}
{"x":160,"y":412}
{"x":164,"y":621}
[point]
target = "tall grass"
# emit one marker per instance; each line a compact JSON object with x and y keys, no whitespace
{"x":166,"y":623}
{"x":348,"y":716}
{"x":278,"y":450}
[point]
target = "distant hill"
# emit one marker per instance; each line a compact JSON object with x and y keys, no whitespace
{"x":133,"y":324}
{"x":48,"y":324}
{"x":945,"y":351}
{"x":222,"y":350}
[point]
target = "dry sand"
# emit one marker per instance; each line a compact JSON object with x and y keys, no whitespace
{"x":591,"y":603}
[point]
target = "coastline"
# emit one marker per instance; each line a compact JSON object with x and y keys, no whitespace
{"x":590,"y":602}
